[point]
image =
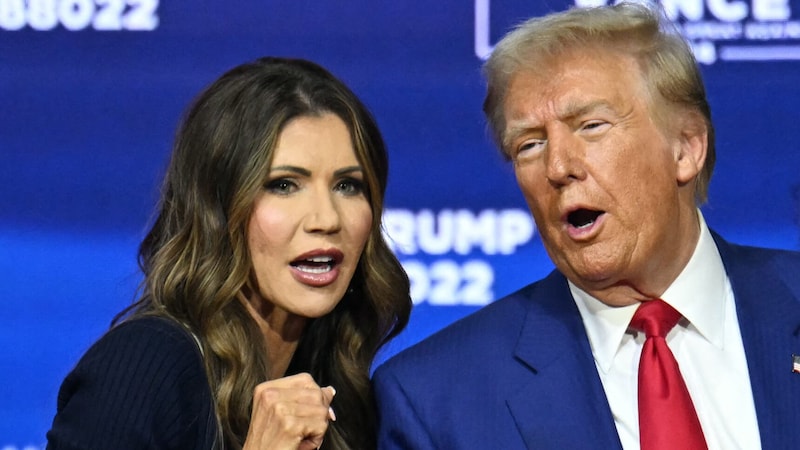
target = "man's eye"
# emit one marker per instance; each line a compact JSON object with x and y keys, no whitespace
{"x":530,"y":145}
{"x":281,"y":186}
{"x":350,"y":186}
{"x":595,"y":126}
{"x":527,"y":148}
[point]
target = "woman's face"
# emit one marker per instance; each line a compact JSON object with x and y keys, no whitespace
{"x":312,"y":219}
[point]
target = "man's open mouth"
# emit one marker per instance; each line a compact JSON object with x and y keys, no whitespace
{"x":583,"y":218}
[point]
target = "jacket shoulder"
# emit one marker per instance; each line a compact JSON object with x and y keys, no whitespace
{"x":141,"y":385}
{"x":477,"y":337}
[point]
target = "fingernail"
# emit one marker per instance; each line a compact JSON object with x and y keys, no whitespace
{"x":333,"y":390}
{"x":331,"y":414}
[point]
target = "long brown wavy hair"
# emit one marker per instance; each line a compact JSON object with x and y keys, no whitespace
{"x":195,"y":258}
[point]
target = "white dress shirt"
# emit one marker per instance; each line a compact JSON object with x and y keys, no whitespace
{"x":706,"y":343}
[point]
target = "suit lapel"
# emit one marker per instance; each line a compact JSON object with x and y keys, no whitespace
{"x":768,"y":310}
{"x":562,"y":404}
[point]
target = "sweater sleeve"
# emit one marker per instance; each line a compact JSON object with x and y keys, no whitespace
{"x":141,"y":386}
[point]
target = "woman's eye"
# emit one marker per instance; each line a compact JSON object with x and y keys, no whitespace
{"x":350,"y":186}
{"x":281,"y":186}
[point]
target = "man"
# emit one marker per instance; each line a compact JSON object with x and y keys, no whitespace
{"x":603,"y":113}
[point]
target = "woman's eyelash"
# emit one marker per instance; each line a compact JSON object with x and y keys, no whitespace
{"x":280,"y":185}
{"x":350,"y":186}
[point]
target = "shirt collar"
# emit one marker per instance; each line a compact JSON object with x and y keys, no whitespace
{"x":699,"y":294}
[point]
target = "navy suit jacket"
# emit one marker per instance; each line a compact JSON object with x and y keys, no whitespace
{"x":520,"y":373}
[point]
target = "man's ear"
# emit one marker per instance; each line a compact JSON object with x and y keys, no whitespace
{"x":692,"y":146}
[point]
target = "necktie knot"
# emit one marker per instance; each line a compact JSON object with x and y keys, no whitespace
{"x":655,"y":318}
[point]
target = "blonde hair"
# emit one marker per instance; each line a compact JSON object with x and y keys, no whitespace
{"x":666,"y":61}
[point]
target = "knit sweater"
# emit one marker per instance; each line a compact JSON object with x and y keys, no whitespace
{"x":141,"y":386}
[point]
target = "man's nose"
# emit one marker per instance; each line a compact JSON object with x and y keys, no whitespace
{"x":563,"y":158}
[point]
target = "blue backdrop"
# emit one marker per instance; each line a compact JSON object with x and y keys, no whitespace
{"x":92,"y":91}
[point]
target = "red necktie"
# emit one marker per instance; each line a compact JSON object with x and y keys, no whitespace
{"x":667,"y":419}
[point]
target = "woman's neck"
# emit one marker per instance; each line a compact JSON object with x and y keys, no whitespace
{"x":281,"y":331}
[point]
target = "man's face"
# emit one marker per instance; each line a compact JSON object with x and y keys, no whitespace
{"x":610,"y":190}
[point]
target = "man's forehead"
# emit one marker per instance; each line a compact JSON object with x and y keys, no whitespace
{"x":578,"y":86}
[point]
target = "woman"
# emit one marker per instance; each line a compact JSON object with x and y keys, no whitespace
{"x":268,"y":287}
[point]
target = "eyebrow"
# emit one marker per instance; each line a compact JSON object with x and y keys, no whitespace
{"x":570,"y":111}
{"x":348,"y":170}
{"x":573,"y":110}
{"x":307,"y":173}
